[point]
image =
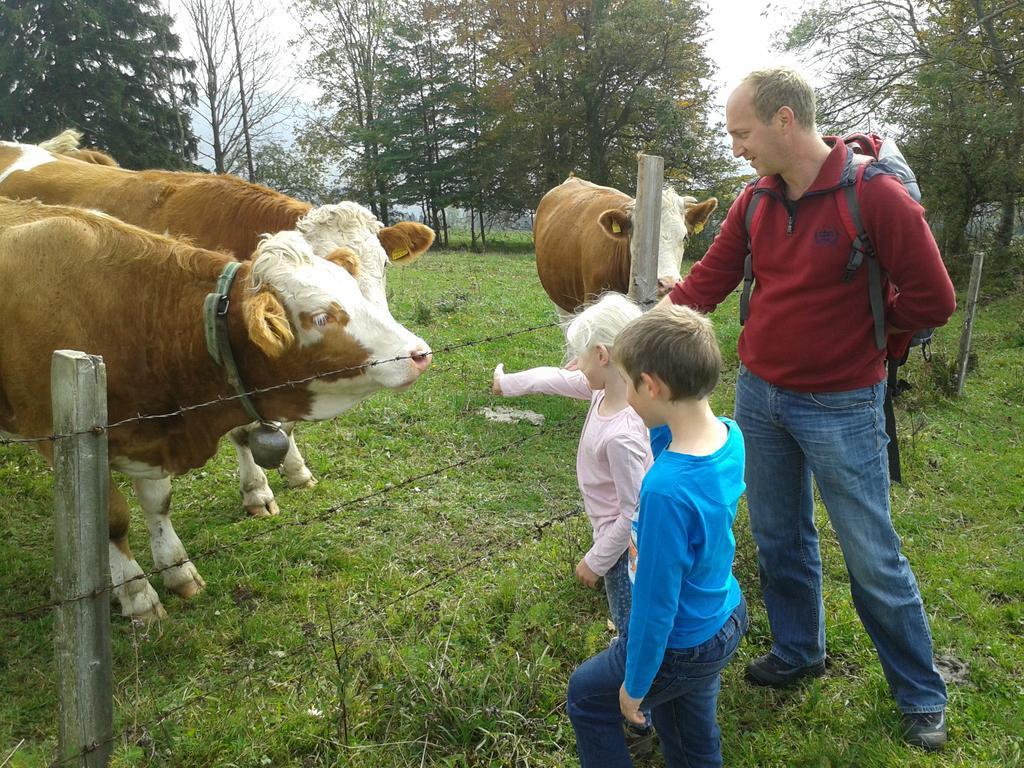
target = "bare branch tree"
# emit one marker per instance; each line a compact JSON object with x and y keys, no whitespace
{"x":241,"y":102}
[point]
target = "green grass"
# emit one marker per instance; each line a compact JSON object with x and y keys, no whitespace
{"x":455,"y":614}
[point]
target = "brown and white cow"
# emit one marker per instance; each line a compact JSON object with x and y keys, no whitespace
{"x":219,"y":213}
{"x":75,"y":279}
{"x":583,"y":237}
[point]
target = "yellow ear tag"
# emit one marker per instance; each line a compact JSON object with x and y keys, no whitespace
{"x":399,"y":253}
{"x":699,"y":228}
{"x":616,"y":228}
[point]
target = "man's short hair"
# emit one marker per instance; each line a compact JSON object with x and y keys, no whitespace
{"x":676,"y":344}
{"x":772,"y":89}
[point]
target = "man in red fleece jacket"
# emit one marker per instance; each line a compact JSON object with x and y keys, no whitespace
{"x":811,"y":386}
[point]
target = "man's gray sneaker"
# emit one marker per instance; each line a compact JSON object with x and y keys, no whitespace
{"x":772,"y":671}
{"x":926,"y":730}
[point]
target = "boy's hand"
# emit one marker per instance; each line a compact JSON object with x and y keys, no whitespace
{"x":585,"y":575}
{"x":499,"y":371}
{"x":573,"y":365}
{"x":630,"y":707}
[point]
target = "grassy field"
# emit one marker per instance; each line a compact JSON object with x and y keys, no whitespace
{"x":436,"y":622}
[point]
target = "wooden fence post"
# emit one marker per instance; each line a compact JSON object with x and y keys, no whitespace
{"x":81,"y":560}
{"x":969,"y":310}
{"x":643,"y":268}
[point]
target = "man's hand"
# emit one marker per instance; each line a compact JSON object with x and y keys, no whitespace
{"x":499,"y":371}
{"x":585,"y":575}
{"x":630,"y":707}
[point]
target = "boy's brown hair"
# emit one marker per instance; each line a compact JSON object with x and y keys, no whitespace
{"x":677,"y":345}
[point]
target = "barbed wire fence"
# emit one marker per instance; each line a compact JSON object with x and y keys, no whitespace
{"x":489,"y":550}
{"x":495,"y":548}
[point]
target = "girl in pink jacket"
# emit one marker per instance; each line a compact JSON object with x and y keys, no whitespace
{"x":614,"y":451}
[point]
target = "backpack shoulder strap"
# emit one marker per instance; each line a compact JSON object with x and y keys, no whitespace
{"x":862,"y":249}
{"x":748,"y":261}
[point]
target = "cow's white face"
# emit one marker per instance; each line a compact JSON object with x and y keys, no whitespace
{"x":350,"y":225}
{"x":680,"y":216}
{"x":335,"y":326}
{"x":672,"y":239}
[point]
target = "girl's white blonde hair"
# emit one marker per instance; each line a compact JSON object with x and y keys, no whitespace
{"x":599,"y":322}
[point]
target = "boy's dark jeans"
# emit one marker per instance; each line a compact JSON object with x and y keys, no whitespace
{"x":683,"y":700}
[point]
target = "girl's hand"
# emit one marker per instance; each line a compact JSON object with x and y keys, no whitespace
{"x":586,"y":575}
{"x":499,"y":371}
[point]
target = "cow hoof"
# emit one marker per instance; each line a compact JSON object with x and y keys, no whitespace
{"x":297,"y":475}
{"x":184,"y":581}
{"x":309,"y":482}
{"x":142,"y":604}
{"x":268,"y":509}
{"x":190,"y":589}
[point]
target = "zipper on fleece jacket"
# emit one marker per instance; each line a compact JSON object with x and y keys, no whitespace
{"x":791,"y":205}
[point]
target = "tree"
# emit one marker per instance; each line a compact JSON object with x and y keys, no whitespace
{"x":239,"y":103}
{"x":110,"y":69}
{"x":348,"y":64}
{"x":293,"y":172}
{"x":948,"y":78}
{"x":594,"y":82}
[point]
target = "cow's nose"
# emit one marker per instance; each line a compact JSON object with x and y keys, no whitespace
{"x":665,"y":284}
{"x":420,"y":358}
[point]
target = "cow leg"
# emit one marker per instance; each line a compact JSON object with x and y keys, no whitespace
{"x":132,"y":589}
{"x":169,"y":556}
{"x":294,"y":468}
{"x":257,"y":498}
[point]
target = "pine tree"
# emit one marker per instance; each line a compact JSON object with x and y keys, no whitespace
{"x":110,"y":69}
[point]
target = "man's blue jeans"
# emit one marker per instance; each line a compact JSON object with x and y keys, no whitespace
{"x":839,"y":438}
{"x":683,"y":699}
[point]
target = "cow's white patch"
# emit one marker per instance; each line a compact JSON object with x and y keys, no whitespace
{"x":672,"y":237}
{"x":137,"y":469}
{"x":306,"y":284}
{"x":169,"y":555}
{"x":133,"y":591}
{"x":31,"y":157}
{"x":350,"y":225}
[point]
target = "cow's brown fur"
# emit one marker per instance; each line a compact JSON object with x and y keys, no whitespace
{"x":565,"y":234}
{"x":75,"y":280}
{"x":581,"y":237}
{"x":214,"y":212}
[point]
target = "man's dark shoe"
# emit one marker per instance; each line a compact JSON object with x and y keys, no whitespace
{"x":926,"y":730}
{"x":773,"y":671}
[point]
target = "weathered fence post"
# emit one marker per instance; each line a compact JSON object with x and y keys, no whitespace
{"x":969,"y":310}
{"x":643,"y":268}
{"x":81,"y":560}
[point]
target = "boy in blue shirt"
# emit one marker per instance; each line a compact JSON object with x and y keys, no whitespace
{"x":688,"y":612}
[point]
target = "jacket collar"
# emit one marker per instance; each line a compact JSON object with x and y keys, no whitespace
{"x":828,"y":178}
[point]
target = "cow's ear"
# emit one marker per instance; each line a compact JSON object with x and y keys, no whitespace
{"x":697,"y":215}
{"x":406,"y":241}
{"x":615,"y":223}
{"x":267,"y":323}
{"x":345,"y":258}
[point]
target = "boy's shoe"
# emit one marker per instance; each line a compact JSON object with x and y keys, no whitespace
{"x":640,"y":741}
{"x":772,"y":671}
{"x":926,"y":730}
